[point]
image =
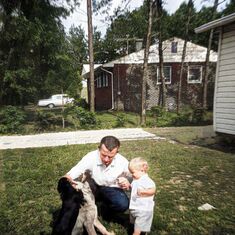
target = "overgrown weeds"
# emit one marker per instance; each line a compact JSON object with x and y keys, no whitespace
{"x":74,"y":117}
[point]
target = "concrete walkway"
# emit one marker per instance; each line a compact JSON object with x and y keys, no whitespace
{"x":73,"y":137}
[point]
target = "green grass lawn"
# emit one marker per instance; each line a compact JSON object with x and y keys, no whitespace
{"x":186,"y":177}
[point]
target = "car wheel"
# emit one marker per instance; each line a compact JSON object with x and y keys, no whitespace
{"x":51,"y":106}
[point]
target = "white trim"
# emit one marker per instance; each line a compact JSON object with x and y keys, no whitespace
{"x":216,"y":23}
{"x":216,"y":81}
{"x":194,"y":81}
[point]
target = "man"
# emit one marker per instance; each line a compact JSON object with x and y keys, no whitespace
{"x":108,"y":169}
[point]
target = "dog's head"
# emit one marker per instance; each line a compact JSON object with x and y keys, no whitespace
{"x":67,"y":191}
{"x":86,"y":176}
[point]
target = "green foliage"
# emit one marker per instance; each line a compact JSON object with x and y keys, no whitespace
{"x":198,"y":115}
{"x":120,"y":120}
{"x":81,"y":102}
{"x":156,"y":111}
{"x":86,"y":118}
{"x":186,"y":117}
{"x":11,"y":120}
{"x":182,"y":119}
{"x":46,"y":120}
{"x":36,"y":60}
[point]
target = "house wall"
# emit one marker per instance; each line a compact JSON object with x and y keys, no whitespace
{"x":224,"y":102}
{"x":127,"y":88}
{"x":103,"y":96}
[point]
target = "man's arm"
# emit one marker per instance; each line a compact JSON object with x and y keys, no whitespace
{"x":83,"y":165}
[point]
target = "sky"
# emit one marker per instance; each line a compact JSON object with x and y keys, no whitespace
{"x":79,"y":17}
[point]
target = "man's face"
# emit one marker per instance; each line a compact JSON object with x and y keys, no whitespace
{"x":107,"y":156}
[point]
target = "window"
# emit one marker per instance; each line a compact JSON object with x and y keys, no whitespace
{"x":102,"y":80}
{"x":174,"y":47}
{"x":98,"y":82}
{"x":195,"y":74}
{"x":167,"y":75}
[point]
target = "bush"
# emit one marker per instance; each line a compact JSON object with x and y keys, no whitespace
{"x":156,"y":111}
{"x":199,"y":115}
{"x":86,"y":118}
{"x":11,"y":120}
{"x":182,"y":119}
{"x":80,"y":102}
{"x":120,"y":120}
{"x":46,"y":120}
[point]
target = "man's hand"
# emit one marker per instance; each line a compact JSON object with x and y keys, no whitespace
{"x":123,"y":183}
{"x":71,"y":181}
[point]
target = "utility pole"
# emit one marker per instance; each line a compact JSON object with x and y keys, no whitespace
{"x":91,"y":57}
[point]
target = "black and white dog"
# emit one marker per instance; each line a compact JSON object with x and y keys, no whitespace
{"x":72,"y":200}
{"x":78,"y":208}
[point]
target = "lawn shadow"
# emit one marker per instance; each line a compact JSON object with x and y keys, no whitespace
{"x":224,"y":144}
{"x":113,"y":217}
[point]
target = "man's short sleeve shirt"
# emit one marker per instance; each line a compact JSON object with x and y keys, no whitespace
{"x":105,"y":176}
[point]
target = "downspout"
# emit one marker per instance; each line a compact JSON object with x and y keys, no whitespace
{"x":112,"y":84}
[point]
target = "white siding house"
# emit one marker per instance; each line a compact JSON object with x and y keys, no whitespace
{"x":224,"y":98}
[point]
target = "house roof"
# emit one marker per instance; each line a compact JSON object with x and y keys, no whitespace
{"x":86,"y":68}
{"x":216,"y":23}
{"x":194,"y":53}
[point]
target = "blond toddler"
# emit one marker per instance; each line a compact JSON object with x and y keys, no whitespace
{"x":142,"y":196}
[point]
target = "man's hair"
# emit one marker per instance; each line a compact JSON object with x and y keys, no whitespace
{"x":110,"y":142}
{"x":138,"y":163}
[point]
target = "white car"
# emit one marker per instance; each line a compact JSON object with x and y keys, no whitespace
{"x":55,"y":101}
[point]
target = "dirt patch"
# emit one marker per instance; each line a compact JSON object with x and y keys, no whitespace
{"x":182,"y":208}
{"x":197,"y":183}
{"x":175,"y":180}
{"x":2,"y":187}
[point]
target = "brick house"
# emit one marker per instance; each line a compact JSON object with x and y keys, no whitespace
{"x":118,"y":83}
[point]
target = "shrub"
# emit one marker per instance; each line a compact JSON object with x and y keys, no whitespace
{"x":120,"y":120}
{"x":182,"y":119}
{"x":157,"y":111}
{"x":11,"y":120}
{"x":46,"y":120}
{"x":80,"y":102}
{"x":198,"y":115}
{"x":86,"y":118}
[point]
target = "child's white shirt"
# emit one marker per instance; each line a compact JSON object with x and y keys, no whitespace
{"x":141,"y":203}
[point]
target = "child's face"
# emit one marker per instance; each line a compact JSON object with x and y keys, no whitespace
{"x":136,"y":174}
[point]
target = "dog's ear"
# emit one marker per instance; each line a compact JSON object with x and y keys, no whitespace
{"x":80,"y":177}
{"x":87,"y":173}
{"x":64,"y":187}
{"x":62,"y":184}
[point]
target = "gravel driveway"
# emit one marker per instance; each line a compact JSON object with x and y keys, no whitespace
{"x":72,"y":137}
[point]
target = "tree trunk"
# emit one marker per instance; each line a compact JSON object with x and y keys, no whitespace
{"x":145,"y":73}
{"x":91,"y":57}
{"x":190,"y":5}
{"x":160,"y":52}
{"x":206,"y":75}
{"x":181,"y":76}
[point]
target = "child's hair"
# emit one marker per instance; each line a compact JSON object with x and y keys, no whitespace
{"x":138,"y":163}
